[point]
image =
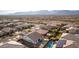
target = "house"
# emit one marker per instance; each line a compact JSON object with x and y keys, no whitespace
{"x":36,"y":27}
{"x":8,"y":30}
{"x":52,"y":24}
{"x":11,"y":44}
{"x":10,"y":25}
{"x":20,"y":27}
{"x":76,"y":25}
{"x":47,"y":27}
{"x":1,"y":33}
{"x":72,"y":40}
{"x":68,"y":26}
{"x":42,"y":31}
{"x":74,"y":30}
{"x":2,"y":26}
{"x":33,"y":39}
{"x":23,"y":26}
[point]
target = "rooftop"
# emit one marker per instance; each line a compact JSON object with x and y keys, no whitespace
{"x":11,"y":44}
{"x":34,"y":36}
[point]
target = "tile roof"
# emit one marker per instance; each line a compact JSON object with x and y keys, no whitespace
{"x":12,"y":44}
{"x":34,"y":36}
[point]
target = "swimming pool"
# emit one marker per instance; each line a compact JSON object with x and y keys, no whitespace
{"x":50,"y":44}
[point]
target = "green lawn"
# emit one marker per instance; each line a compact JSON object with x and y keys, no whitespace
{"x":54,"y":33}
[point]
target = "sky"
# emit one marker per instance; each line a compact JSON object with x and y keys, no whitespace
{"x":34,"y":5}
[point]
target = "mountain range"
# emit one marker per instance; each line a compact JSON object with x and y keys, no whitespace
{"x":42,"y":12}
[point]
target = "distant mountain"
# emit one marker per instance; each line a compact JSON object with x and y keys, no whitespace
{"x":46,"y":12}
{"x":43,"y":12}
{"x":6,"y":12}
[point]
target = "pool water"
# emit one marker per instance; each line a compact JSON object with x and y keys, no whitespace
{"x":50,"y":44}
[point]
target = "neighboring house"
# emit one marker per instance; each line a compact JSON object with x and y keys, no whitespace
{"x":42,"y":31}
{"x":34,"y":39}
{"x":36,"y":27}
{"x":1,"y":26}
{"x":68,"y":26}
{"x":8,"y":30}
{"x":74,"y":30}
{"x":11,"y":44}
{"x":51,"y":24}
{"x":20,"y":27}
{"x":77,"y":26}
{"x":74,"y":38}
{"x":23,"y":26}
{"x":10,"y":25}
{"x":2,"y":33}
{"x":47,"y":27}
{"x":64,"y":34}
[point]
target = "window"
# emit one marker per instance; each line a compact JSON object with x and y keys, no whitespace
{"x":39,"y":40}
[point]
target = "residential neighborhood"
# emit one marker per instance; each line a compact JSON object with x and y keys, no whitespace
{"x":23,"y":33}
